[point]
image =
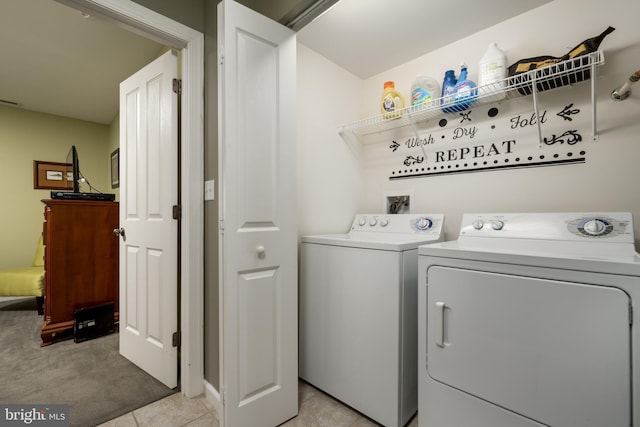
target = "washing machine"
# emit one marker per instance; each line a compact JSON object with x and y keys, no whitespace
{"x":527,"y":320}
{"x":358,"y":313}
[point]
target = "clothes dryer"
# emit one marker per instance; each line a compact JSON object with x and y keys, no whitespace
{"x":527,"y":320}
{"x":358,"y":313}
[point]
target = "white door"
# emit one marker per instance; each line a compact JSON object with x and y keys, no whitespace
{"x":552,"y":351}
{"x":148,"y":192}
{"x":258,"y":240}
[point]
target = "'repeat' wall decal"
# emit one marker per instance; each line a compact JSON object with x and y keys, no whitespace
{"x":492,"y":138}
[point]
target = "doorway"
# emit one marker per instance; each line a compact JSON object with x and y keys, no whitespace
{"x":191,"y":43}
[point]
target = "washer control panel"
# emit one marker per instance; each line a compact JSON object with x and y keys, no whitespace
{"x":597,"y":226}
{"x":610,"y":226}
{"x":496,"y":224}
{"x":399,"y":223}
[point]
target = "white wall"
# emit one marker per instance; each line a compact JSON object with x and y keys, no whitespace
{"x":329,"y":179}
{"x":334,"y":184}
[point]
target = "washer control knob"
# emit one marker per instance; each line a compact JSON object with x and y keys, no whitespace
{"x":478,"y":224}
{"x":384,"y":222}
{"x":496,"y":224}
{"x":373,"y":221}
{"x":424,"y":223}
{"x":595,"y":227}
{"x":362,"y":221}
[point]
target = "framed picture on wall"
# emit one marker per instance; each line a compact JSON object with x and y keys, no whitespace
{"x":115,"y":168}
{"x":52,"y":175}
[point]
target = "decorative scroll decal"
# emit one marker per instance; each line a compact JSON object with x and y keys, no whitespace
{"x":567,"y":112}
{"x":465,"y":116}
{"x":572,"y":138}
{"x":487,"y":139}
{"x":412,"y":160}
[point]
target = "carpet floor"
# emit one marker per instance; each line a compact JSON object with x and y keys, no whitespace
{"x":90,"y":376}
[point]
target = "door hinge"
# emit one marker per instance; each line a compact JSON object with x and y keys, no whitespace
{"x":221,"y":55}
{"x":222,"y":226}
{"x":177,"y":212}
{"x":222,"y":395}
{"x":177,"y":86}
{"x":175,"y":339}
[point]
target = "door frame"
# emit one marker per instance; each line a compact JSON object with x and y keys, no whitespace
{"x":165,"y":30}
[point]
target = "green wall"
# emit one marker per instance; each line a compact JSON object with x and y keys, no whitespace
{"x":113,"y":143}
{"x":211,"y":254}
{"x":187,"y":12}
{"x":27,"y":136}
{"x":279,"y":10}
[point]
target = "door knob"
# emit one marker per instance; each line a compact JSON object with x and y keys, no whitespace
{"x":261,"y":252}
{"x":119,"y":232}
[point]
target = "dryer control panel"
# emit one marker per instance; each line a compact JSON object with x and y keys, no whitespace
{"x":613,"y":227}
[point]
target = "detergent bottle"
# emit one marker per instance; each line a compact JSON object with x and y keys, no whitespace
{"x":423,"y":91}
{"x":448,"y":91}
{"x":492,"y":72}
{"x":392,"y":101}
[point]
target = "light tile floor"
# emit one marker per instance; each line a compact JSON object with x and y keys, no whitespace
{"x":316,"y":410}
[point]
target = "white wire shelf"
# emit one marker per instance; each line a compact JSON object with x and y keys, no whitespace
{"x":557,"y":75}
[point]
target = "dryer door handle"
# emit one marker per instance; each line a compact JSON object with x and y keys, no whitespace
{"x":439,"y":324}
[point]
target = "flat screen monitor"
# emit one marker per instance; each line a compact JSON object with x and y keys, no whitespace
{"x":73,"y":176}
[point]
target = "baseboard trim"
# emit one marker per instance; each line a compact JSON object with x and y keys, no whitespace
{"x":213,"y":397}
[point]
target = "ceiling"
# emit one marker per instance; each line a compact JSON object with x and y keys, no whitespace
{"x":367,"y":37}
{"x":59,"y":61}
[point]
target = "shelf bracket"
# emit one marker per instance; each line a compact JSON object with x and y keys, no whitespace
{"x":352,"y":142}
{"x":534,"y":95}
{"x":594,"y":130}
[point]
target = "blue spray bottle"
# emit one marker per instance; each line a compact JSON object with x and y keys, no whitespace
{"x":466,"y":91}
{"x":448,"y":91}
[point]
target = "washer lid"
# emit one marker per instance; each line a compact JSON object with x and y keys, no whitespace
{"x":379,"y":241}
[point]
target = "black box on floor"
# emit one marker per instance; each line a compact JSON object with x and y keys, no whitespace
{"x":92,"y":322}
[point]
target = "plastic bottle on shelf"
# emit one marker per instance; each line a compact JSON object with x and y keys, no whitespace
{"x":423,"y":91}
{"x":466,"y":92}
{"x":392,"y":101}
{"x":492,"y":74}
{"x":448,"y":90}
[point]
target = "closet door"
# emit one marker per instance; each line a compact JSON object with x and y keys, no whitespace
{"x":148,"y":230}
{"x":258,"y":235}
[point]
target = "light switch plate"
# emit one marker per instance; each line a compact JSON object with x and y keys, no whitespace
{"x":209,"y":190}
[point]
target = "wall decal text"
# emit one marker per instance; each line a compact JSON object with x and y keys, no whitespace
{"x":502,"y":139}
{"x":521,"y":122}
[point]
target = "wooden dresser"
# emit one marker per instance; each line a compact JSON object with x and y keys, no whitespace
{"x":80,"y":260}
